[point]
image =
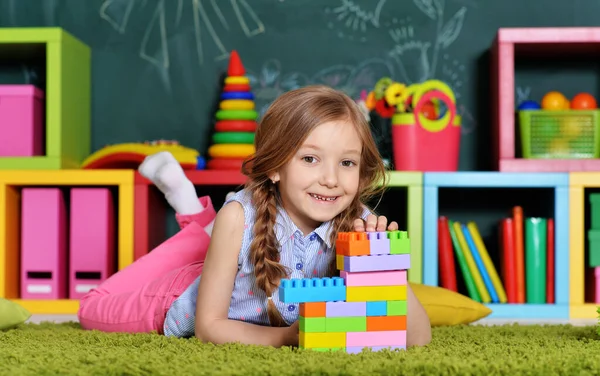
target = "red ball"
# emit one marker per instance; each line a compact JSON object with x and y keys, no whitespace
{"x":583,"y":101}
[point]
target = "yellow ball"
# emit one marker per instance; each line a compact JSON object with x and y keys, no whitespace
{"x":554,"y":100}
{"x":570,"y":127}
{"x":559,"y":146}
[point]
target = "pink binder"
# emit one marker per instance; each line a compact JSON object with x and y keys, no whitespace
{"x":92,"y":239}
{"x":43,"y":244}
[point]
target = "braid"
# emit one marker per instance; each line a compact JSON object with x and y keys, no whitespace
{"x":264,"y":251}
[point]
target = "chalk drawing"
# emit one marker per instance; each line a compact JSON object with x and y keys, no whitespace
{"x":355,"y":19}
{"x":522,"y":94}
{"x":118,"y":14}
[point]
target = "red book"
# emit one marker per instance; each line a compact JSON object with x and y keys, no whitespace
{"x":508,"y":259}
{"x":446,"y":256}
{"x":550,"y":261}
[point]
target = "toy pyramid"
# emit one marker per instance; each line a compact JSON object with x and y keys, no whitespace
{"x":366,"y":307}
{"x":233,"y":139}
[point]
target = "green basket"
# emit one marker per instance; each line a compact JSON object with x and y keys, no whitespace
{"x":569,"y":134}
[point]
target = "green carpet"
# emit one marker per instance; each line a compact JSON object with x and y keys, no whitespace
{"x":51,"y":349}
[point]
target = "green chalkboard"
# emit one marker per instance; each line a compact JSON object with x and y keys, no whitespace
{"x":158,"y":64}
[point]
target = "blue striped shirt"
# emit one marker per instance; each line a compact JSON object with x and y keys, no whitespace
{"x":305,"y":256}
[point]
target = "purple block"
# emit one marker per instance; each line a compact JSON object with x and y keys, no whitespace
{"x":376,"y":263}
{"x":358,"y":349}
{"x":345,"y":309}
{"x":379,"y":243}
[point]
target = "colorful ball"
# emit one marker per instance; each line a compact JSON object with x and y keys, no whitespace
{"x":583,"y":101}
{"x":554,"y":100}
{"x":529,"y":105}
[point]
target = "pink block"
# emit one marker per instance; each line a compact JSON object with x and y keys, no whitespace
{"x":597,"y":291}
{"x":358,"y":349}
{"x":43,"y":244}
{"x":21,"y":121}
{"x":383,"y":338}
{"x":379,"y":243}
{"x":345,"y":309}
{"x":384,"y":278}
{"x":376,"y":263}
{"x":92,"y":239}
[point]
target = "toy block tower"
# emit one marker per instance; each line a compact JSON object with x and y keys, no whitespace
{"x":233,"y":139}
{"x":366,"y":307}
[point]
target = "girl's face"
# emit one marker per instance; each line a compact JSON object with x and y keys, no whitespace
{"x":322,"y":178}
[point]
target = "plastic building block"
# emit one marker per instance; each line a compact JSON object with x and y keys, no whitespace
{"x":379,"y":338}
{"x":359,"y":349}
{"x":399,"y":242}
{"x":92,"y":239}
{"x":342,"y":309}
{"x":379,"y":243}
{"x":396,"y":308}
{"x":373,"y":263}
{"x":385,"y":323}
{"x":67,"y":96}
{"x":378,"y":308}
{"x":313,"y":309}
{"x":21,"y":121}
{"x":352,"y":244}
{"x":312,"y":290}
{"x":312,"y":324}
{"x":384,"y":278}
{"x":375,"y":293}
{"x":322,"y":340}
{"x":346,"y":324}
{"x":43,"y":244}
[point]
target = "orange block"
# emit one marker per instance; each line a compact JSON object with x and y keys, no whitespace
{"x":353,"y":244}
{"x":312,"y":309}
{"x":384,"y":323}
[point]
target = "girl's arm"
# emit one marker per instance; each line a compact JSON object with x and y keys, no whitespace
{"x":418,"y":327}
{"x":216,"y":286}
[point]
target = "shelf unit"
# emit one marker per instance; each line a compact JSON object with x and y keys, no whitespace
{"x":67,"y":94}
{"x":150,"y":209}
{"x":11,"y":183}
{"x":579,"y":182}
{"x":433,"y":183}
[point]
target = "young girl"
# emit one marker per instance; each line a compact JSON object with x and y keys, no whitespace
{"x":314,"y":168}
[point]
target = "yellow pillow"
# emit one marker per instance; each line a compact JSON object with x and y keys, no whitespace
{"x":446,"y":307}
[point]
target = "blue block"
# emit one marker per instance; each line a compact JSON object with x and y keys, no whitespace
{"x":376,"y":308}
{"x":312,"y":290}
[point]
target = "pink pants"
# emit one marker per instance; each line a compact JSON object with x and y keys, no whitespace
{"x":137,"y":298}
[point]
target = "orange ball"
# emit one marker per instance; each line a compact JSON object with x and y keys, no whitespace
{"x":583,"y":101}
{"x":554,"y":100}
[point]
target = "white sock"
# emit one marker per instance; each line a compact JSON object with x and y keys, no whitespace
{"x":168,"y":176}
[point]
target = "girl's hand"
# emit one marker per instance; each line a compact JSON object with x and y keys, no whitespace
{"x":292,"y":334}
{"x":374,"y":223}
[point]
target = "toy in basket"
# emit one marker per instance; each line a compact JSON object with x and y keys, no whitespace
{"x":558,"y":128}
{"x":425,"y":125}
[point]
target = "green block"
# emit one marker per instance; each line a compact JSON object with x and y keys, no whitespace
{"x":396,"y":308}
{"x":346,"y":324}
{"x":399,"y":242}
{"x":325,"y":349}
{"x":312,"y":324}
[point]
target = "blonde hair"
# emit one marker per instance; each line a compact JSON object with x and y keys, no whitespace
{"x":282,"y":130}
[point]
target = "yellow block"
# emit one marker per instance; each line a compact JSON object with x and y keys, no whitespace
{"x":230,"y":150}
{"x":321,"y":340}
{"x":66,"y":177}
{"x":375,"y":293}
{"x":50,"y":307}
{"x":237,"y":80}
{"x":236,"y":104}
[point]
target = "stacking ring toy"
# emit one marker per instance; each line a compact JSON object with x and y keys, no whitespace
{"x":237,"y":104}
{"x":237,"y":80}
{"x":237,"y":95}
{"x":233,"y":138}
{"x":236,"y":87}
{"x":235,"y":126}
{"x":225,"y":164}
{"x":230,"y":150}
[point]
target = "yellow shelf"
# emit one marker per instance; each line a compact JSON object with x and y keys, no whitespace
{"x":49,"y":307}
{"x":585,"y":311}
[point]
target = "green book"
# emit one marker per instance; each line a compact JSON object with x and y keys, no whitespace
{"x":462,"y":262}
